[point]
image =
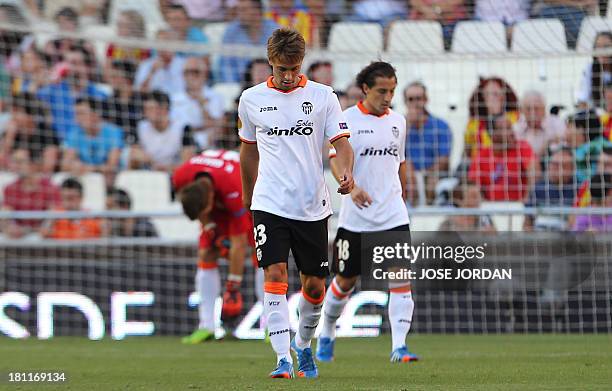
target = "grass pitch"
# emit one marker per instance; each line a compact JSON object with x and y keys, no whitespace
{"x":497,"y":362}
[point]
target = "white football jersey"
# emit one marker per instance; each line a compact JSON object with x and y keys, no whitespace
{"x":290,"y":128}
{"x":379,"y":146}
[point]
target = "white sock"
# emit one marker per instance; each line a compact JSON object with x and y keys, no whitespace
{"x":259,"y":293}
{"x":401,"y":307}
{"x":208,"y":286}
{"x":335,"y":301}
{"x":310,"y":313}
{"x":276,"y":312}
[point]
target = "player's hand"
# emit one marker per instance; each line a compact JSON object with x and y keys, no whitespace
{"x":361,"y":198}
{"x":347,"y":183}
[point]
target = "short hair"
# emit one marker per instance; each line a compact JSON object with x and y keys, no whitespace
{"x":121,"y":197}
{"x":68,"y":13}
{"x":96,"y":105}
{"x":589,"y":121}
{"x":29,"y":103}
{"x":127,"y":68}
{"x":600,"y":185}
{"x":317,"y":64}
{"x":87,"y":56}
{"x":607,"y":150}
{"x":416,"y":83}
{"x":194,"y":198}
{"x":376,"y":69}
{"x":72,"y":184}
{"x":286,"y":44}
{"x":178,"y":7}
{"x":157,"y":96}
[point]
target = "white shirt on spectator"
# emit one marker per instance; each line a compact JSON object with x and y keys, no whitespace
{"x":553,"y":130}
{"x":169,"y":79}
{"x":584,"y":92}
{"x":185,"y":108}
{"x":163,"y":147}
{"x":506,"y":11}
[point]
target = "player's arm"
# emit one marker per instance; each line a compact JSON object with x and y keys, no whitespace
{"x":344,"y":164}
{"x":249,"y":164}
{"x":237,"y":253}
{"x":403,"y":177}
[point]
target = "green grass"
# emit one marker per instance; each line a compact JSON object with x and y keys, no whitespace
{"x":500,"y":362}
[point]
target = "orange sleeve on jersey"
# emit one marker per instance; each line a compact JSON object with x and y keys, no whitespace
{"x":339,"y":136}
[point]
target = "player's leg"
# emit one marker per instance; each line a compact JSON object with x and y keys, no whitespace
{"x":309,"y":247}
{"x":401,"y":307}
{"x":272,"y":240}
{"x":208,"y":287}
{"x":347,"y":266}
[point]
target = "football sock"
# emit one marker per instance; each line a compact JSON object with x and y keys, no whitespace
{"x":276,"y":312}
{"x":401,"y":307}
{"x":335,"y":300}
{"x":208,"y":286}
{"x":310,"y":312}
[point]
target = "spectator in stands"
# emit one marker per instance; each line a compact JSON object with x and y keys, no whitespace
{"x":585,"y":135}
{"x":33,"y":74}
{"x":163,"y":142}
{"x":130,"y":24}
{"x":11,"y":40}
{"x":163,"y":72}
{"x":557,"y":188}
{"x":62,"y":95}
{"x":258,"y":71}
{"x":604,"y":166}
{"x":92,"y":145}
{"x":133,"y":227}
{"x":28,"y":129}
{"x":67,"y":20}
{"x":71,"y":196}
{"x":447,"y":13}
{"x":467,"y":195}
{"x":250,"y":28}
{"x":89,"y":11}
{"x":535,"y":126}
{"x":288,"y":13}
{"x":321,"y":72}
{"x":379,"y":11}
{"x":429,"y":140}
{"x":601,"y":196}
{"x":124,"y":108}
{"x":354,"y":95}
{"x":199,"y":106}
{"x":492,"y":97}
{"x":569,"y":12}
{"x":206,"y":10}
{"x":30,"y":191}
{"x":506,"y":170}
{"x":507,"y":12}
{"x":178,"y":19}
{"x":606,"y":117}
{"x":596,"y":74}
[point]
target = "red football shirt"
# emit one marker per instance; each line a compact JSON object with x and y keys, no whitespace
{"x":503,"y":175}
{"x":223,"y":168}
{"x":43,"y":196}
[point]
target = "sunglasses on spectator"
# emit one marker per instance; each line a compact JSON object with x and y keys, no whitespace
{"x":192,"y":72}
{"x":415,"y":98}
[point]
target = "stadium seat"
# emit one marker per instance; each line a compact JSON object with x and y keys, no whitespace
{"x":591,"y":25}
{"x":506,"y":222}
{"x":229,"y":91}
{"x":176,"y":228}
{"x":355,"y":37}
{"x":102,"y":35}
{"x":214,"y":32}
{"x":94,"y":189}
{"x":539,"y":36}
{"x":415,"y":37}
{"x":149,"y":190}
{"x":479,"y":37}
{"x":6,"y":178}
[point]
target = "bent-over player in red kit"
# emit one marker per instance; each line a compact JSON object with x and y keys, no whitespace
{"x":210,"y":190}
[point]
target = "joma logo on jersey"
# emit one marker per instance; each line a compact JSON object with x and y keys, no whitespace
{"x":268,"y":108}
{"x":365,"y":131}
{"x":388,"y":151}
{"x":301,"y":128}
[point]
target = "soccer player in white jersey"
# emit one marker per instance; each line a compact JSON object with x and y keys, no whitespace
{"x":377,"y":204}
{"x":283,"y":125}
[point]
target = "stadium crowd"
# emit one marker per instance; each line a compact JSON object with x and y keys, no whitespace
{"x":65,"y":109}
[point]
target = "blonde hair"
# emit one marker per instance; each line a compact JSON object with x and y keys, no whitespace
{"x":286,"y":45}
